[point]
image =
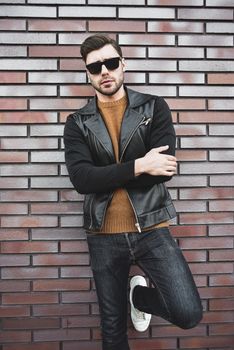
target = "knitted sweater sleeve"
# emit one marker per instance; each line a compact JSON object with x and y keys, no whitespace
{"x":84,"y":175}
{"x":162,"y":133}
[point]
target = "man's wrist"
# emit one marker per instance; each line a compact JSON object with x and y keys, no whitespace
{"x":139,"y":167}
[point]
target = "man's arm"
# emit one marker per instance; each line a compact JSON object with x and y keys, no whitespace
{"x":159,"y":164}
{"x":85,"y":176}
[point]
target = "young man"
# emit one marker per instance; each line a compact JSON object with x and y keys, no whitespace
{"x":119,"y":152}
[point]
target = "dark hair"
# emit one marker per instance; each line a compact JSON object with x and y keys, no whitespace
{"x":97,"y":41}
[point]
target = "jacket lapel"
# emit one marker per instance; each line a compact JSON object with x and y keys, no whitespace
{"x":97,"y":126}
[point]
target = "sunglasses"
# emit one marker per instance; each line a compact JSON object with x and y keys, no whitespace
{"x":110,"y":64}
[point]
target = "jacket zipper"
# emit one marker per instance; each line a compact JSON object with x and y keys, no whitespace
{"x":90,"y":213}
{"x":104,"y":214}
{"x":145,"y":121}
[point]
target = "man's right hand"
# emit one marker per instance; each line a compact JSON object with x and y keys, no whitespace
{"x":156,"y":163}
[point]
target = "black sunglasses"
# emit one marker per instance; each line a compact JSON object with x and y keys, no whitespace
{"x":110,"y":64}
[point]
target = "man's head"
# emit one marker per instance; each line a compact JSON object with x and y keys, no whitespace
{"x":105,"y":66}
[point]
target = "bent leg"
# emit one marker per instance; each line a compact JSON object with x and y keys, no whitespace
{"x":174,"y":296}
{"x":110,"y":265}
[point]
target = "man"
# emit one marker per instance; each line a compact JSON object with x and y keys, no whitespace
{"x":119,"y":152}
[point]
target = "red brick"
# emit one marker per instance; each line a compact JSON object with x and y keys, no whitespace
{"x":184,"y":155}
{"x":33,"y":346}
{"x":48,"y":25}
{"x":222,"y":280}
{"x":195,"y":256}
{"x":14,"y":260}
{"x":28,"y":11}
{"x":81,"y":271}
{"x":30,"y":298}
{"x":62,"y":334}
{"x":12,"y":103}
{"x":225,"y":78}
{"x":14,"y":311}
{"x":70,"y":195}
{"x":206,"y":243}
{"x":206,"y":142}
{"x":205,"y":218}
{"x":220,"y":230}
{"x":7,"y":209}
{"x":57,"y":234}
{"x":216,"y":292}
{"x":14,"y":286}
{"x":63,"y":310}
{"x":12,"y":77}
{"x":18,"y":234}
{"x":84,"y":345}
{"x":13,"y":157}
{"x":28,"y":247}
{"x":188,"y":231}
{"x":188,"y":103}
{"x":29,"y":273}
{"x":116,"y":26}
{"x":74,"y":246}
{"x":197,"y":343}
{"x":14,"y":336}
{"x":222,"y":304}
{"x":133,"y":52}
{"x":72,"y":64}
{"x":206,"y":193}
{"x":152,"y":344}
{"x":10,"y":182}
{"x":62,"y":284}
{"x":221,"y":180}
{"x":175,"y":27}
{"x":222,"y":255}
{"x":171,"y":331}
{"x":29,"y":221}
{"x":185,"y":130}
{"x":205,"y":117}
{"x":81,"y":321}
{"x":225,"y":329}
{"x":217,"y":317}
{"x":54,"y":51}
{"x":30,"y":323}
{"x":76,"y":90}
{"x":211,"y":268}
{"x":60,"y":259}
{"x":79,"y":297}
{"x":28,"y":117}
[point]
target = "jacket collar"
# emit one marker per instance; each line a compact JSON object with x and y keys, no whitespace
{"x":135,"y":99}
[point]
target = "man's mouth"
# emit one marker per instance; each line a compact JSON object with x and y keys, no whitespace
{"x":106,"y":81}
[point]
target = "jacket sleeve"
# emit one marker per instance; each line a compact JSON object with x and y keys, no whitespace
{"x":84,"y":175}
{"x":162,"y":133}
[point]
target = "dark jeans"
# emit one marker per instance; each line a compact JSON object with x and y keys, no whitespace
{"x":174,"y":296}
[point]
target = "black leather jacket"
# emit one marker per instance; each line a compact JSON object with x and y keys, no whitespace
{"x":93,"y":169}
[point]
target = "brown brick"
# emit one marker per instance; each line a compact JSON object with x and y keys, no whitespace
{"x":54,"y":51}
{"x":31,"y":323}
{"x":211,"y":268}
{"x":28,"y":195}
{"x":79,"y":297}
{"x":62,"y":334}
{"x":217,"y":317}
{"x":225,"y":78}
{"x":10,"y":182}
{"x":185,"y":130}
{"x":14,"y":286}
{"x":15,"y":336}
{"x":14,"y":311}
{"x":206,"y":193}
{"x":187,"y":155}
{"x":222,"y":304}
{"x":13,"y":104}
{"x":170,"y":331}
{"x":61,"y":284}
{"x":218,"y":180}
{"x":14,"y":260}
{"x":222,"y":255}
{"x":29,"y":273}
{"x":33,"y":346}
{"x":74,"y":246}
{"x":206,"y":243}
{"x":216,"y":292}
{"x":30,"y":298}
{"x":28,"y":117}
{"x":205,"y":117}
{"x":28,"y":170}
{"x":28,"y":247}
{"x":58,"y":234}
{"x":197,"y":343}
{"x":175,"y":27}
{"x":8,"y":208}
{"x":12,"y":24}
{"x":48,"y":25}
{"x":60,"y":259}
{"x":64,"y":310}
{"x":13,"y":157}
{"x":222,"y":280}
{"x":71,"y":272}
{"x":205,"y":218}
{"x":116,"y":26}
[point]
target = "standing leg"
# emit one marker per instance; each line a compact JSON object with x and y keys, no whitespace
{"x":110,"y":264}
{"x":174,"y":296}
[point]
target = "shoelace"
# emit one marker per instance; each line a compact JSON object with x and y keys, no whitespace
{"x":141,"y":315}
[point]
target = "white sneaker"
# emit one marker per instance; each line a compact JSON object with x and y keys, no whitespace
{"x":140,"y":320}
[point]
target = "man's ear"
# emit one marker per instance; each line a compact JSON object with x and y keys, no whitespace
{"x":124,"y":64}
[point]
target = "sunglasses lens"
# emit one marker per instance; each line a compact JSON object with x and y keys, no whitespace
{"x":96,"y":67}
{"x":112,"y":63}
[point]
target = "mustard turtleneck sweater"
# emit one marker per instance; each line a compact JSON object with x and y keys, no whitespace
{"x":120,"y":216}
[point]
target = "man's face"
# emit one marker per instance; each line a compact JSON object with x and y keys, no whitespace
{"x":108,"y":83}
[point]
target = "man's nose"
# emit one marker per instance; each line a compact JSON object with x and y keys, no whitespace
{"x":104,"y":69}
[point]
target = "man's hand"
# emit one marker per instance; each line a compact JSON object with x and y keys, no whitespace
{"x":155,"y":163}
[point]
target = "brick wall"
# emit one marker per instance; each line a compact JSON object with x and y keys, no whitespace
{"x":182,"y":50}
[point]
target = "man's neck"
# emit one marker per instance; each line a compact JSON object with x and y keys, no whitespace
{"x":111,"y":98}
